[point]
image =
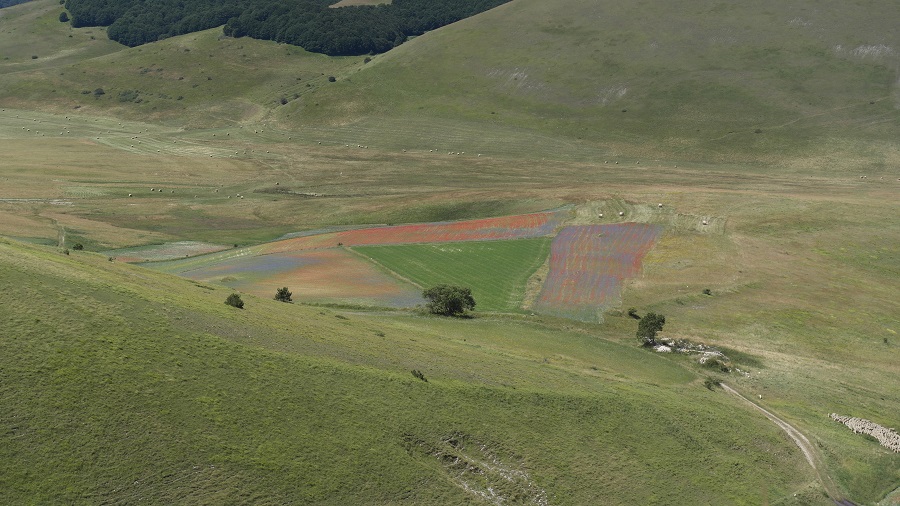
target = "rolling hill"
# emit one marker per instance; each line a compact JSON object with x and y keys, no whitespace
{"x":120,"y":384}
{"x":767,"y":131}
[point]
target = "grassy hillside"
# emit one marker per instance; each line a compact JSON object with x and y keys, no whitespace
{"x":678,"y":80}
{"x":566,"y":80}
{"x":799,"y":255}
{"x":119,"y":384}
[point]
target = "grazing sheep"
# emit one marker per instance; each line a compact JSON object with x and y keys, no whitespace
{"x":621,"y":213}
{"x":659,"y":205}
{"x":601,"y":215}
{"x":705,"y":222}
{"x":129,"y":194}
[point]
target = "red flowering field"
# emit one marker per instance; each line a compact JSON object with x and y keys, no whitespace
{"x":487,"y":229}
{"x":588,"y":265}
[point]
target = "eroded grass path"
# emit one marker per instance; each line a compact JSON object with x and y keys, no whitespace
{"x":809,"y":451}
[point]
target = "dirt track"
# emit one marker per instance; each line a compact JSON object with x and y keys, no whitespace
{"x":809,"y":451}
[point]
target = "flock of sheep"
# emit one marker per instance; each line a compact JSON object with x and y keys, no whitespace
{"x":887,"y":437}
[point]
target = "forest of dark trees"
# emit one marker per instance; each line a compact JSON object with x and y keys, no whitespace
{"x":310,"y":24}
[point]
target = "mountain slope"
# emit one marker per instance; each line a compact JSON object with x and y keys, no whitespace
{"x":119,"y":384}
{"x":697,"y":79}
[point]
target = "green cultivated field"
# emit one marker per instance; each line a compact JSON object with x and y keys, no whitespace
{"x":496,"y":271}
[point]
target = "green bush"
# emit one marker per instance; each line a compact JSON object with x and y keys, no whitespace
{"x":63,"y":17}
{"x":648,"y":326}
{"x":234,"y":300}
{"x":78,"y":246}
{"x":716,"y":364}
{"x":448,"y":300}
{"x":283,"y":294}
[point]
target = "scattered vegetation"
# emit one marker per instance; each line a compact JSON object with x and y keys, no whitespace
{"x":419,"y":375}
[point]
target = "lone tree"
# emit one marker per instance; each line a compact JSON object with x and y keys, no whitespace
{"x":448,"y":300}
{"x":648,"y":326}
{"x":235,"y":301}
{"x":283,"y":294}
{"x":63,"y":17}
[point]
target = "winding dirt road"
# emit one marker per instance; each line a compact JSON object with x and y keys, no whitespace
{"x":809,"y":451}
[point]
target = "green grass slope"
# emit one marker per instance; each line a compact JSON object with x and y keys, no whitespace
{"x":122,"y":385}
{"x":200,"y":77}
{"x":569,"y":79}
{"x":709,"y":80}
{"x":33,"y":30}
{"x":496,"y":271}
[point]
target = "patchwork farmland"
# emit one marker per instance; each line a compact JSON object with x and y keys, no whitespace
{"x":495,"y":257}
